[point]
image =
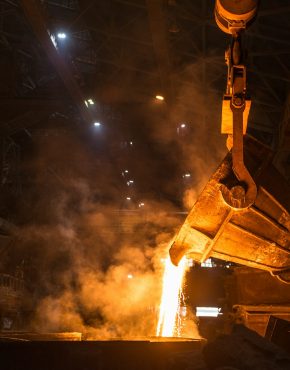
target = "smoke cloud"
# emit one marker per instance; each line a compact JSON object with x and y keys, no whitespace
{"x":90,"y":265}
{"x":92,"y":282}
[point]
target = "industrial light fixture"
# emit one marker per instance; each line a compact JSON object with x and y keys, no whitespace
{"x":141,"y":205}
{"x":89,"y":102}
{"x":187,"y":175}
{"x":128,"y":198}
{"x":208,"y":311}
{"x":181,"y":129}
{"x":61,"y":35}
{"x":190,"y":262}
{"x":97,"y":124}
{"x":130,"y":276}
{"x":159,"y":97}
{"x":207,"y":263}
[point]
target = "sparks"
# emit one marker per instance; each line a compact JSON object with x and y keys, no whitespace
{"x":170,"y":302}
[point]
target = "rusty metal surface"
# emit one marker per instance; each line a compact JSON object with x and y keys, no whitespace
{"x":47,"y":337}
{"x":247,"y":188}
{"x":244,"y":349}
{"x":265,"y":291}
{"x":11,"y":293}
{"x":257,"y":236}
{"x":256,"y":317}
{"x":278,"y":332}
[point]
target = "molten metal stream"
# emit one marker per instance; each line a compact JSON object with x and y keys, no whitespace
{"x":170,"y":302}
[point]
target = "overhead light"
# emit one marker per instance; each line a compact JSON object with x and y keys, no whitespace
{"x":89,"y":102}
{"x":207,"y":263}
{"x":124,"y":173}
{"x":183,"y":125}
{"x":53,"y":40}
{"x":141,"y":205}
{"x":128,"y":198}
{"x":97,"y":124}
{"x":187,"y":175}
{"x":61,"y":35}
{"x":130,"y":276}
{"x":190,"y":262}
{"x":159,"y":97}
{"x":131,"y":142}
{"x":208,"y":311}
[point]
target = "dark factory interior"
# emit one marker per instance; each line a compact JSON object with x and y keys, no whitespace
{"x":145,"y":195}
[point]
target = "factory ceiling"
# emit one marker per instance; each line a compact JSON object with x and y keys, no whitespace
{"x":76,"y":62}
{"x":127,"y":51}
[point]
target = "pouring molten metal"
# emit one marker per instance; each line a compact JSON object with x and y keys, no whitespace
{"x":173,"y":279}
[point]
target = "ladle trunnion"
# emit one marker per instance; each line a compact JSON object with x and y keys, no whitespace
{"x":257,"y":236}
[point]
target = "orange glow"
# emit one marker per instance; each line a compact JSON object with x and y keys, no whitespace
{"x":173,"y":278}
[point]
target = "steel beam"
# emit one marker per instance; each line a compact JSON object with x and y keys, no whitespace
{"x":159,"y":35}
{"x":130,"y":3}
{"x":122,"y":66}
{"x":29,"y":112}
{"x":274,"y":11}
{"x":270,"y":89}
{"x":268,"y":37}
{"x":270,"y":53}
{"x":25,"y":104}
{"x":120,"y":37}
{"x":61,"y":5}
{"x":285,"y":68}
